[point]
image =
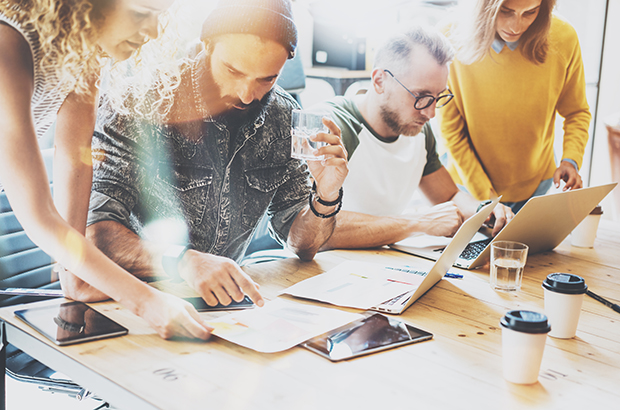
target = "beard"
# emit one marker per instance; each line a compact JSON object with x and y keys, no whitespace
{"x":251,"y":111}
{"x":392,"y":119}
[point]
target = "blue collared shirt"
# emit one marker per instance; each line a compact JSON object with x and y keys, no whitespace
{"x":498,"y":45}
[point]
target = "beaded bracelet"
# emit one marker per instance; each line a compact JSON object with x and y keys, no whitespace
{"x":338,"y":202}
{"x":322,"y":201}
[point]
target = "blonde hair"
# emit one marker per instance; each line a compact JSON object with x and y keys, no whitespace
{"x":67,"y":32}
{"x":145,"y":84}
{"x":473,"y":36}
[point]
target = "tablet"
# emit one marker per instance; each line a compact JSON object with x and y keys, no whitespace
{"x":70,"y":323}
{"x":201,"y":306}
{"x":364,"y":336}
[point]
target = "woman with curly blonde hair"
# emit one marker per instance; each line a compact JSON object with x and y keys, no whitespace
{"x":52,"y":55}
{"x":518,"y":66}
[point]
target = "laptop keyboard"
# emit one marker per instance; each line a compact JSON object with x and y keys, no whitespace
{"x":473,"y":249}
{"x":396,"y":299}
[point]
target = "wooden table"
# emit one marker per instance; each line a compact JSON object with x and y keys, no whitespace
{"x":459,"y":368}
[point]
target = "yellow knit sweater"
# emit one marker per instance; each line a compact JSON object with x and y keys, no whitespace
{"x":499,"y":129}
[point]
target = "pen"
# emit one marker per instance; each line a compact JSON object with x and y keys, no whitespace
{"x":604,"y":301}
{"x":453,"y":275}
{"x":398,"y":281}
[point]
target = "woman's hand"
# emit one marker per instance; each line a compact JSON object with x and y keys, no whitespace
{"x":171,"y":316}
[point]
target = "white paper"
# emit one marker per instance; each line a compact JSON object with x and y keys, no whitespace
{"x":355,"y":284}
{"x":279,"y":325}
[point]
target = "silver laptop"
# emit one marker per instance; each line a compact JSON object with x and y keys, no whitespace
{"x":462,"y":237}
{"x":542,"y":223}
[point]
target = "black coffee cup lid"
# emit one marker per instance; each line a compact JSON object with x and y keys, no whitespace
{"x":526,"y":321}
{"x":598,"y":210}
{"x":565,"y":283}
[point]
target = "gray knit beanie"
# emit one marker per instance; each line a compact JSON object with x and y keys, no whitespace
{"x":271,"y":19}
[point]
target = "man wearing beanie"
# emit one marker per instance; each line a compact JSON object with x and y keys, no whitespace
{"x":218,"y":161}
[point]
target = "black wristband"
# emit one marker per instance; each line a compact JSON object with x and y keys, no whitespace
{"x":171,"y":258}
{"x":68,"y":326}
{"x":327,"y":203}
{"x":325,"y":216}
{"x":483,"y":204}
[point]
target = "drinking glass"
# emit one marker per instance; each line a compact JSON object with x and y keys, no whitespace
{"x":507,"y":264}
{"x":305,"y":124}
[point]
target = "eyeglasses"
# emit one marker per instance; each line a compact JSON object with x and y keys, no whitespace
{"x":424,"y":101}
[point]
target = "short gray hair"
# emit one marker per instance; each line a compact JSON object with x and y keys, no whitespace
{"x":395,"y":53}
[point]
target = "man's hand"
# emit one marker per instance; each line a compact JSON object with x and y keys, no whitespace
{"x":441,"y":220}
{"x":171,"y":317}
{"x":500,"y":216}
{"x":567,"y":173}
{"x":217,"y":279}
{"x":329,"y":174}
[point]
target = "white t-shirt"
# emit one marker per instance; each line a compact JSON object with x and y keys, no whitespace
{"x":383,"y":174}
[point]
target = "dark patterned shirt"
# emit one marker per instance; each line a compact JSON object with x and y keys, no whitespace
{"x":219,"y":186}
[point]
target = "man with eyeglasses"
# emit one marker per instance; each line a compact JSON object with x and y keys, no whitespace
{"x":392,"y":150}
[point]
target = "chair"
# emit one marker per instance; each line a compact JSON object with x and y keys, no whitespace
{"x":292,"y":78}
{"x":263,"y":248}
{"x":24,"y":265}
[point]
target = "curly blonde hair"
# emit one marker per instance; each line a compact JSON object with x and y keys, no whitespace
{"x":67,"y":31}
{"x":145,"y":84}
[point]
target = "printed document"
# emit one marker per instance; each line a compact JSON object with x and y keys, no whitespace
{"x":356,"y":284}
{"x":279,"y":325}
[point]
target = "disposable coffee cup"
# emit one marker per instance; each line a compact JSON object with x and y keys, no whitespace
{"x":524,"y":334}
{"x":563,"y":299}
{"x":584,"y":234}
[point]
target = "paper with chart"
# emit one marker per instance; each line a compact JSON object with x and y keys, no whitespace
{"x":357,"y":284}
{"x":279,"y":325}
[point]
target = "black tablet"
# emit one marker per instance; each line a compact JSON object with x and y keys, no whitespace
{"x":70,"y":323}
{"x":201,"y":306}
{"x":364,"y":336}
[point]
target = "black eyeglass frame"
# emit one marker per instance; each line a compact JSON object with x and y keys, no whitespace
{"x":448,"y":96}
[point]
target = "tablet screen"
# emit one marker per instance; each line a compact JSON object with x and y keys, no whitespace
{"x":70,"y":322}
{"x":201,"y":306}
{"x":364,"y":336}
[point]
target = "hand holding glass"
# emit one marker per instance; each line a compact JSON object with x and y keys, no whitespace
{"x":304,"y":125}
{"x":507,"y":263}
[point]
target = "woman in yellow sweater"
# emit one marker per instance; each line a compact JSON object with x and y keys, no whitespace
{"x":517,"y":66}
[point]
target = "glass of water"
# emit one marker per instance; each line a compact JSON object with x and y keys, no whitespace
{"x":305,"y":124}
{"x":507,"y":264}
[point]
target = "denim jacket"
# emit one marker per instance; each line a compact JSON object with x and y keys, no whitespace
{"x":219,"y":186}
